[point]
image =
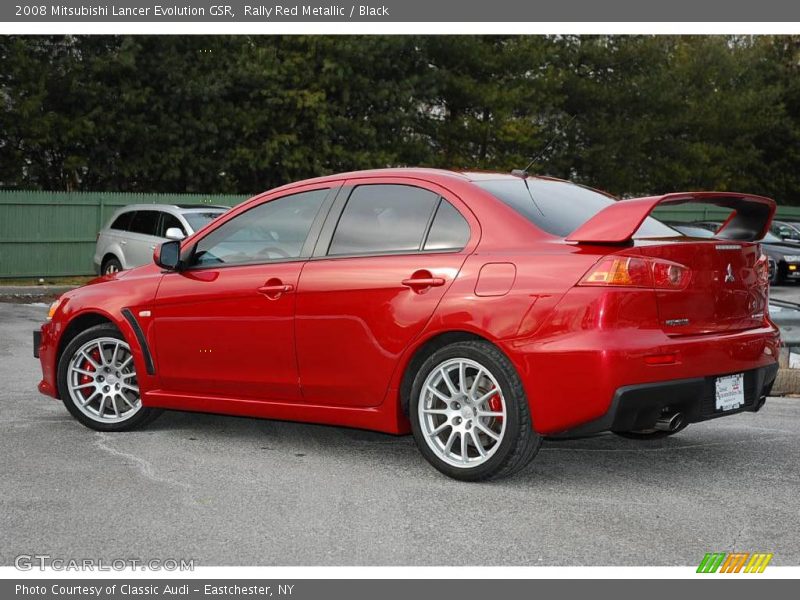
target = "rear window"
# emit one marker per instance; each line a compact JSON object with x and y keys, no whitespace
{"x":197,"y":220}
{"x":559,"y":207}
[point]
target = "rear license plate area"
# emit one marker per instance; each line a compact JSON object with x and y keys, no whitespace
{"x":729,"y":392}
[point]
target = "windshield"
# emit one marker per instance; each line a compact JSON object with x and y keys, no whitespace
{"x":771,"y":238}
{"x":197,"y":220}
{"x":560,"y":207}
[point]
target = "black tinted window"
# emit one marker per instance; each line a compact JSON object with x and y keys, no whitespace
{"x":145,"y":221}
{"x":123,"y":222}
{"x":168,"y":221}
{"x":559,"y":207}
{"x":271,"y":231}
{"x":449,"y":230}
{"x":383,"y":218}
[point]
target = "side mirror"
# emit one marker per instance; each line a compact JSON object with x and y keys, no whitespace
{"x":174,"y":233}
{"x":168,"y":255}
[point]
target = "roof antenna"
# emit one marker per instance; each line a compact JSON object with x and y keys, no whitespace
{"x":524,"y":172}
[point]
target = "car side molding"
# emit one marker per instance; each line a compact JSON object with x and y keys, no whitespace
{"x":137,"y":330}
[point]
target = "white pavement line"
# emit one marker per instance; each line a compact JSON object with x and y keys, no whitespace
{"x":144,"y":466}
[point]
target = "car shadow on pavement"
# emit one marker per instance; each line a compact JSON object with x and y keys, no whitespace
{"x":702,"y":452}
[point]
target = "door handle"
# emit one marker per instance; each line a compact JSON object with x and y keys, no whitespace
{"x":281,"y":288}
{"x":275,"y":288}
{"x":420,"y":282}
{"x":123,"y":242}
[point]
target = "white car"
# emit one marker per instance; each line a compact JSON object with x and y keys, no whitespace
{"x":133,"y":232}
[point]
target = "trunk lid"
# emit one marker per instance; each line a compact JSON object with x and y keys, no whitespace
{"x":727,"y":288}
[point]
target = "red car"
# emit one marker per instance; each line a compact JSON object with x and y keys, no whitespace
{"x":480,"y":311}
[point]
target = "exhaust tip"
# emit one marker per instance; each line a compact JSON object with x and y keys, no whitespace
{"x":669,"y":422}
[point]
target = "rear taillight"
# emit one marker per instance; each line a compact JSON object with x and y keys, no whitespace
{"x":762,"y":269}
{"x":635,"y":271}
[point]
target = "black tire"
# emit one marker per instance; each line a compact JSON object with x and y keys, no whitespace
{"x":111,"y":265}
{"x":650,"y":434}
{"x":141,"y":418}
{"x":520,"y":442}
{"x":776,"y":277}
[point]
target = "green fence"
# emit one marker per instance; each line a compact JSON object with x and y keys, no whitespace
{"x":47,"y":234}
{"x":706,"y":212}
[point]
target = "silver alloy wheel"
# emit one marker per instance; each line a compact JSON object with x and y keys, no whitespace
{"x":462,"y":412}
{"x":101,"y":379}
{"x":111,"y":268}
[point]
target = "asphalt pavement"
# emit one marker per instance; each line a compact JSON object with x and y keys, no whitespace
{"x":233,"y":491}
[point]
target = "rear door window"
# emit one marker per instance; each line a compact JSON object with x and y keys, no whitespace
{"x":145,"y":222}
{"x":383,"y":218}
{"x":449,"y":230}
{"x":123,"y":222}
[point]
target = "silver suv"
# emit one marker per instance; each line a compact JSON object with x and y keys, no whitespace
{"x":133,"y":232}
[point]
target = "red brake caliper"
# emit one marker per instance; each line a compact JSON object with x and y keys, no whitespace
{"x":87,"y":366}
{"x":496,"y":405}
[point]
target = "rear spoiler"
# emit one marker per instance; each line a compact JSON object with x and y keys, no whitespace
{"x":616,"y":224}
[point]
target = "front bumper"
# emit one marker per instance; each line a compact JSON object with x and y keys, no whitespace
{"x":637,"y":407}
{"x":793,"y":272}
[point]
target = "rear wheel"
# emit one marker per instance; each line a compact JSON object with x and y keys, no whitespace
{"x":97,"y":381}
{"x":469,"y":413}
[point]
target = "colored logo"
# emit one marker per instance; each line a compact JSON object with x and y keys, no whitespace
{"x":734,"y":562}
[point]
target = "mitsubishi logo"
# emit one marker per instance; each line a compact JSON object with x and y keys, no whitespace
{"x":729,"y":278}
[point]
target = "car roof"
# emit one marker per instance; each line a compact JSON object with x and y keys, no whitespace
{"x":201,"y":206}
{"x":167,"y":207}
{"x":428,"y":174}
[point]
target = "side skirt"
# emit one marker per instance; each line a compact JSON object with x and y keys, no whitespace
{"x":385,"y":418}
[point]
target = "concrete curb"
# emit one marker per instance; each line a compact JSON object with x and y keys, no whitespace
{"x":787,"y":382}
{"x":32,"y":293}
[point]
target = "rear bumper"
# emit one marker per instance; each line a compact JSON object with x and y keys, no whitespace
{"x":638,"y":407}
{"x":574,"y":380}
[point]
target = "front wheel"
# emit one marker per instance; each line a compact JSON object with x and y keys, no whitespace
{"x":111,"y":266}
{"x":775,"y":278}
{"x":97,"y":381}
{"x":469,"y":413}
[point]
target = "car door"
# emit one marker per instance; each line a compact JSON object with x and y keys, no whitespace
{"x":140,"y":241}
{"x":385,"y":258}
{"x":224,"y":325}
